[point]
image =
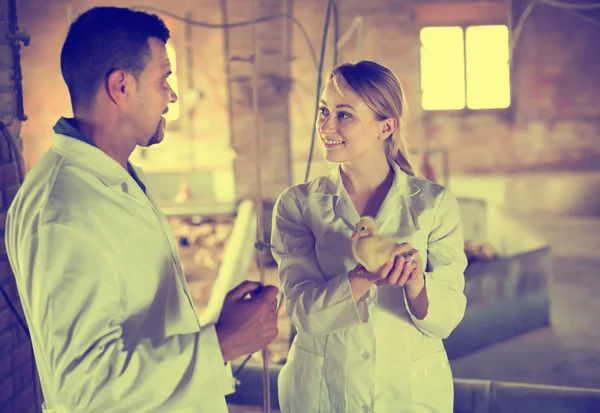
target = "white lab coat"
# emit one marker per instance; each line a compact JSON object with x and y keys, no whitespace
{"x":389,"y":361}
{"x":112,"y":322}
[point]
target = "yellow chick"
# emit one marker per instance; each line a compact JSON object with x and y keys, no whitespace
{"x":369,"y":248}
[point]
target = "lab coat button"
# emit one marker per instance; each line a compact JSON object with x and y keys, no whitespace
{"x":365,"y":408}
{"x":365,"y":355}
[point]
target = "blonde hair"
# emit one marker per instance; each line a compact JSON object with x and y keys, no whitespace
{"x":382,"y":92}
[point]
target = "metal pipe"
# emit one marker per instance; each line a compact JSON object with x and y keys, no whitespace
{"x":357,"y":26}
{"x":249,"y":386}
{"x":15,"y":37}
{"x":470,"y":395}
{"x":260,"y":234}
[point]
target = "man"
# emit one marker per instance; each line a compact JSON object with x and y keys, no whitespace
{"x":112,"y":323}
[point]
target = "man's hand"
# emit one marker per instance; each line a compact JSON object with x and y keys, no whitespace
{"x":248,"y":321}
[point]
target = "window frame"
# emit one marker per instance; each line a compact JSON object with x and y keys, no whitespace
{"x":504,"y":112}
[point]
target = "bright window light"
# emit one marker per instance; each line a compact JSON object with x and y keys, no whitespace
{"x":488,"y":74}
{"x":465,"y":67}
{"x":442,"y":68}
{"x":173,"y":113}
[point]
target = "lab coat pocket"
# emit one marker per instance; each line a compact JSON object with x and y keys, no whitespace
{"x":301,"y":383}
{"x":432,"y":386}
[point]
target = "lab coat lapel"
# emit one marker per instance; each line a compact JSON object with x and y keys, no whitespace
{"x":164,"y":222}
{"x":345,"y":209}
{"x":396,"y":212}
{"x":166,"y":229}
{"x":331,"y":186}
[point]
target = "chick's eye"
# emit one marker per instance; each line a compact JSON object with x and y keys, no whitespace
{"x":323,"y":111}
{"x":344,"y":115}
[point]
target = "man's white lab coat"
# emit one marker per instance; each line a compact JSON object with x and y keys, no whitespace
{"x":112,"y":322}
{"x":388,"y":361}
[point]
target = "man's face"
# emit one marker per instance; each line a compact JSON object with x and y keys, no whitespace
{"x":153,"y":96}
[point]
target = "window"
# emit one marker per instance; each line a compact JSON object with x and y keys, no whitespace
{"x":173,"y":113}
{"x":465,"y":67}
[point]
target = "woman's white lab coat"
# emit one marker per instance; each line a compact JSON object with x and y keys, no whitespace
{"x":390,"y":361}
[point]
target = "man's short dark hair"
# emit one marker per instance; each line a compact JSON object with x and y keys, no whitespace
{"x":104,"y":39}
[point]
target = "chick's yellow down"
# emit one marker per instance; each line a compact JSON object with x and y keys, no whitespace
{"x":370,"y":249}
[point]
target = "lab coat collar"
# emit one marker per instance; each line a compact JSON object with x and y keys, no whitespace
{"x":331,"y":184}
{"x":110,"y":172}
{"x":89,"y":157}
{"x":106,"y":168}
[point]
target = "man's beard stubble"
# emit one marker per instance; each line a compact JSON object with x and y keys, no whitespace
{"x":159,"y":134}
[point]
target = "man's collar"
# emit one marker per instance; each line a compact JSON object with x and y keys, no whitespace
{"x":73,"y":144}
{"x":68,"y":127}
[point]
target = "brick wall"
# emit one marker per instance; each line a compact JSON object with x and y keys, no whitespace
{"x":17,"y":371}
{"x":552,"y":125}
{"x":16,"y":360}
{"x":18,"y":378}
{"x":554,"y":121}
{"x":273,"y":87}
{"x":200,"y":142}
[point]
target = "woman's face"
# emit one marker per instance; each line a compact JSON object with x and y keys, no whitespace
{"x":347,"y":127}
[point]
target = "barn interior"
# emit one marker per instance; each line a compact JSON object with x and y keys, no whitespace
{"x":503,"y":99}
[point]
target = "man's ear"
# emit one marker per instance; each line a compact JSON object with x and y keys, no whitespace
{"x":388,"y":127}
{"x":119,"y":86}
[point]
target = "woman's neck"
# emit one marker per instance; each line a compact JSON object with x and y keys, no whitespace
{"x":365,"y":178}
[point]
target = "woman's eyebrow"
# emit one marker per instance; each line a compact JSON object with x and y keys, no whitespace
{"x":342,"y":105}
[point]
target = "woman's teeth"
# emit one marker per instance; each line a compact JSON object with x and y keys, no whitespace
{"x":331,"y":142}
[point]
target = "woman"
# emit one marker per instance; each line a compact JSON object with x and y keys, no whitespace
{"x":368,"y":342}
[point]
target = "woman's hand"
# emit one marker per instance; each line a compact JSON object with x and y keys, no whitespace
{"x":404,"y":268}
